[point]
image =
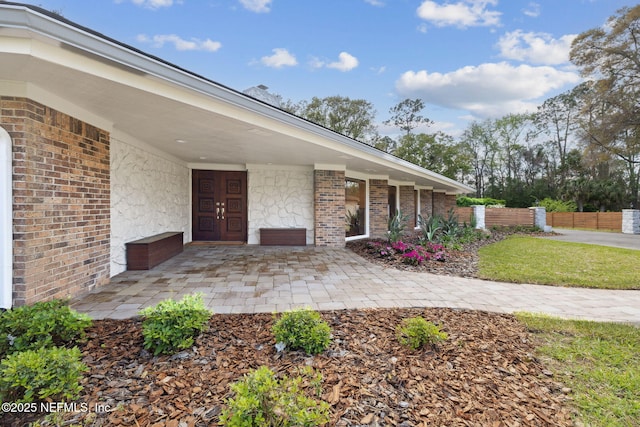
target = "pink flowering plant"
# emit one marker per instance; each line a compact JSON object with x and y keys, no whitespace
{"x":408,"y":253}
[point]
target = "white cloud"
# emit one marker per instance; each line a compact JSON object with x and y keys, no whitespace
{"x":537,"y":48}
{"x":179,"y":43}
{"x":345,"y":62}
{"x":464,"y":13}
{"x":532,"y":10}
{"x":487,"y":90}
{"x":258,"y":6}
{"x":280,"y":58}
{"x":376,"y":3}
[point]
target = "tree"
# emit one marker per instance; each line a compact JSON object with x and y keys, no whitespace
{"x":610,"y":57}
{"x":436,"y":152}
{"x":350,"y":117}
{"x":480,"y":141}
{"x":558,"y":119}
{"x":406,"y":115}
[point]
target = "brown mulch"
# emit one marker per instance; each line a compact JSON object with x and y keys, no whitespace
{"x":484,"y":374}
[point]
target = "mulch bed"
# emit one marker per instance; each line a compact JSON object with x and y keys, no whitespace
{"x":462,"y":262}
{"x":484,"y":374}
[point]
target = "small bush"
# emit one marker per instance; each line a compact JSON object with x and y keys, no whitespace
{"x":302,"y":329}
{"x":32,"y":375}
{"x":263,"y":400}
{"x":416,"y":332}
{"x":43,"y":324}
{"x":172,"y":325}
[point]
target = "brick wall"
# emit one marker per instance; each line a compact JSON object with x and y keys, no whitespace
{"x":439,"y":203}
{"x":61,"y":190}
{"x":450,"y":202}
{"x":426,"y":203}
{"x":378,"y":205}
{"x":329,"y":208}
{"x":408,"y":205}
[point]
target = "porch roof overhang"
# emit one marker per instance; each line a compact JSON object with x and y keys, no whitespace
{"x":124,"y":90}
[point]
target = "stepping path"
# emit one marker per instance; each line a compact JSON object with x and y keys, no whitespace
{"x":252,"y":279}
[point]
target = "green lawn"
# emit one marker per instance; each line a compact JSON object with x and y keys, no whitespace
{"x":521,"y":259}
{"x":600,"y":362}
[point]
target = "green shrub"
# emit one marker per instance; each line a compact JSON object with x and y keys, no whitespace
{"x":302,"y":329}
{"x":263,"y":400}
{"x":552,"y":205}
{"x":416,"y":332}
{"x":172,"y":325}
{"x":465,"y":201}
{"x":43,"y":324}
{"x":32,"y":375}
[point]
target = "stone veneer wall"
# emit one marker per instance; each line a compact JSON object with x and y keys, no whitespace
{"x":426,"y":203}
{"x":329,"y":207}
{"x":61,"y":198}
{"x":439,"y":203}
{"x":149,"y":195}
{"x":378,"y":208}
{"x":631,"y":221}
{"x":280,"y":198}
{"x":408,"y":205}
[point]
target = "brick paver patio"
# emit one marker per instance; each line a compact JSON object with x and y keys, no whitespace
{"x":248,"y":279}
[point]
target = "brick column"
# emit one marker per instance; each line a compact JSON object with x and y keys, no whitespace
{"x":407,"y":205}
{"x":61,"y":202}
{"x":439,"y":203}
{"x":378,"y":205}
{"x":450,"y":202}
{"x":426,"y":203}
{"x":329,"y":208}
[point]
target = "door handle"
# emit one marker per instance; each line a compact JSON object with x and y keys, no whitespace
{"x":217,"y":213}
{"x":222,"y":213}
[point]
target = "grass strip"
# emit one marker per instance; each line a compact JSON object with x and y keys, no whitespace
{"x":523,"y":259}
{"x":599,"y":361}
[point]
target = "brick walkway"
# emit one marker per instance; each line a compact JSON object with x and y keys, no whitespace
{"x":247,"y":279}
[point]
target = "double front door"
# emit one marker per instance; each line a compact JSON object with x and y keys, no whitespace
{"x":219,"y":206}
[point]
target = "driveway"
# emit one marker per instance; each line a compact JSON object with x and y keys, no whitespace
{"x":251,"y":279}
{"x":619,"y":240}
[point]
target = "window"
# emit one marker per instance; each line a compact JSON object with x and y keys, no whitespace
{"x":355,"y":207}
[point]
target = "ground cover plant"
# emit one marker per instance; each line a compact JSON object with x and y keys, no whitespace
{"x":484,"y":373}
{"x":302,"y":329}
{"x":523,"y":259}
{"x":44,"y":324}
{"x":599,"y":362}
{"x":171,"y":325}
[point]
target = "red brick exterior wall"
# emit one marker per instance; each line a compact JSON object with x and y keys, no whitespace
{"x":61,"y":202}
{"x":378,"y":208}
{"x":439,"y":203}
{"x":426,"y":203}
{"x":329,"y":205}
{"x":450,"y":202}
{"x":408,"y":205}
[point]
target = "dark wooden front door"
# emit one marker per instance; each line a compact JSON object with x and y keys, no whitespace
{"x":219,"y":206}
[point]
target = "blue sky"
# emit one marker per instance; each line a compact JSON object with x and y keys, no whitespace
{"x":466,"y":59}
